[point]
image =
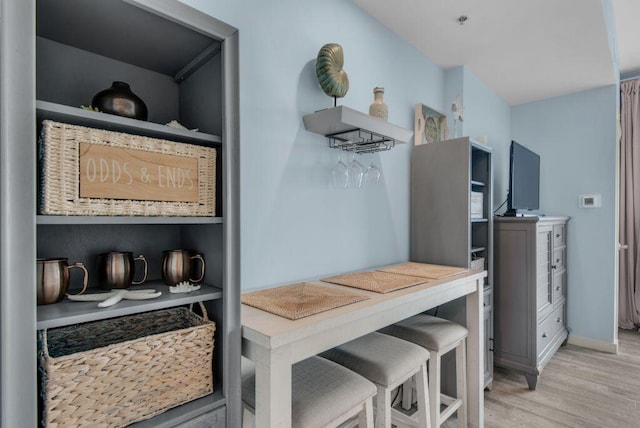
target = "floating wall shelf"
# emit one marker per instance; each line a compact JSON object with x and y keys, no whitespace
{"x":352,"y":130}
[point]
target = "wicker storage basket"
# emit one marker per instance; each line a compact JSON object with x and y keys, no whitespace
{"x":111,"y":373}
{"x":59,"y":169}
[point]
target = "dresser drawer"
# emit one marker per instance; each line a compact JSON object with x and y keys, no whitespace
{"x":543,"y":243}
{"x":559,"y":260}
{"x":559,"y":235}
{"x":559,"y":285}
{"x":550,"y":326}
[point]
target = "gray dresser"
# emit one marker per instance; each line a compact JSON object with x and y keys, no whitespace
{"x":530,"y":292}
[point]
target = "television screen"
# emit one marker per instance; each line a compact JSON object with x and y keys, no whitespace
{"x":524,"y":179}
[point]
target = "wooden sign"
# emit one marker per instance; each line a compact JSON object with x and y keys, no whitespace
{"x":121,"y":173}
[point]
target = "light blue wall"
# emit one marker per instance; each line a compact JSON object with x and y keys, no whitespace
{"x":453,"y":87}
{"x":607,"y":8}
{"x":294,"y":225}
{"x":485,"y":114}
{"x":575,"y":136}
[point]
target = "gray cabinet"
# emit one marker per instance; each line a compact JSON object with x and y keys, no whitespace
{"x":530,"y":292}
{"x":487,"y":305}
{"x":446,"y":227}
{"x":184,"y":65}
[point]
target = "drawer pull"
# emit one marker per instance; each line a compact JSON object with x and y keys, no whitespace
{"x":544,"y":334}
{"x":557,"y":235}
{"x":559,"y":319}
{"x":554,"y":267}
{"x":558,"y":288}
{"x":557,"y":260}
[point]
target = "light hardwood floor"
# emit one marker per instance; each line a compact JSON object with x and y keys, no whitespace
{"x":578,"y":388}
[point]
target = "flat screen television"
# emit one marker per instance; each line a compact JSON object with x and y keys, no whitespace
{"x":524,"y":180}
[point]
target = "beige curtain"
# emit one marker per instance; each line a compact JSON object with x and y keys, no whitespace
{"x":629,"y":283}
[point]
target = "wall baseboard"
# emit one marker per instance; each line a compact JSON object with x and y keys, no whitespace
{"x":598,"y":345}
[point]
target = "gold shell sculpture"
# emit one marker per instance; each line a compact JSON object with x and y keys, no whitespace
{"x":332,"y":78}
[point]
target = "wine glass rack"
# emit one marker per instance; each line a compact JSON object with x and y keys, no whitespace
{"x":353,"y":131}
{"x":360,"y":141}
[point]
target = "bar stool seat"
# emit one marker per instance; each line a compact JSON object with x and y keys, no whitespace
{"x":438,"y":336}
{"x":430,"y":332}
{"x":323,"y":393}
{"x":387,"y":362}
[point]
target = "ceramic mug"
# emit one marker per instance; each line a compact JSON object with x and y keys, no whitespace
{"x":117,"y":269}
{"x":178,"y":264}
{"x":52,"y":279}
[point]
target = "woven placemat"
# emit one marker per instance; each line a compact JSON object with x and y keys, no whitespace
{"x":300,"y":300}
{"x":379,"y":282}
{"x":424,"y":270}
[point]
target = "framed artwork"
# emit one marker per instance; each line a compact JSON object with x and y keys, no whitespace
{"x":430,"y":125}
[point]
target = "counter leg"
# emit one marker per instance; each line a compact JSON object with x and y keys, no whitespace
{"x":273,"y":388}
{"x":475,"y":357}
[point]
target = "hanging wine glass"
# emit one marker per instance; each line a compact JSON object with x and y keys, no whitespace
{"x":372,"y":174}
{"x":340,"y":173}
{"x":356,"y":172}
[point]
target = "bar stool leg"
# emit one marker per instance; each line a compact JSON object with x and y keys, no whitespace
{"x":365,"y":419}
{"x":383,"y":407}
{"x":435,"y":365}
{"x":424,"y":408}
{"x":248,"y":421}
{"x":407,"y":395}
{"x":461,"y":382}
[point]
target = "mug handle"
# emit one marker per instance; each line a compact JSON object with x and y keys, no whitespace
{"x":85,"y":281}
{"x":199,"y":257}
{"x":146,"y":268}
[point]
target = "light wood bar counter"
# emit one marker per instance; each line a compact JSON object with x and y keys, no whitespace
{"x":275,"y":343}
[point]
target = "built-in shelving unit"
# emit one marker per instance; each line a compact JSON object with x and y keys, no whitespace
{"x":68,"y":312}
{"x":184,"y":65}
{"x":47,"y":219}
{"x":185,"y":413}
{"x":92,"y":119}
{"x":442,"y":178}
{"x":351,"y":130}
{"x":443,"y":175}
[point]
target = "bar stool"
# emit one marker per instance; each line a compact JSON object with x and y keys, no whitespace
{"x":324,"y":394}
{"x":438,"y":336}
{"x":387,"y":362}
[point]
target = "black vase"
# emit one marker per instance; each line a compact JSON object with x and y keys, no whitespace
{"x":119,"y":100}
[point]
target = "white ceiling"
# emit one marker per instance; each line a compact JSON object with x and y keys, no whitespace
{"x":627,"y":14}
{"x":525,"y":50}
